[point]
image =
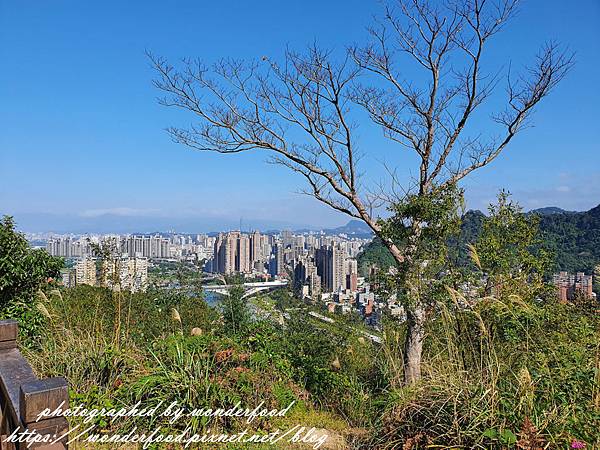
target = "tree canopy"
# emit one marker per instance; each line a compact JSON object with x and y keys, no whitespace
{"x":23,"y":270}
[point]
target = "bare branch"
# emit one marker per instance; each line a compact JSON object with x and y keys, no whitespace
{"x":437,"y":38}
{"x":299,"y":110}
{"x":551,"y":66}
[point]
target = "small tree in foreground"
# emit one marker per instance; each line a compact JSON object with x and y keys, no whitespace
{"x":303,"y":111}
{"x":23,"y":272}
{"x":236,"y":314}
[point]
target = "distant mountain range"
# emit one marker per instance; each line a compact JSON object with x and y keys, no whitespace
{"x":113,"y":223}
{"x":354,"y":228}
{"x":549,"y":210}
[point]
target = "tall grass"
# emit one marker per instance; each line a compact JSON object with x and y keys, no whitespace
{"x":500,"y":374}
{"x":497,"y":372}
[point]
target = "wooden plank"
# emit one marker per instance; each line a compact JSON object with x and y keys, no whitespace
{"x":7,"y":345}
{"x":37,"y":395}
{"x":14,"y":371}
{"x":54,"y":428}
{"x":23,"y":397}
{"x":8,"y":330}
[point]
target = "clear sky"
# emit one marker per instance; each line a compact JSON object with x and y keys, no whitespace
{"x":82,"y":144}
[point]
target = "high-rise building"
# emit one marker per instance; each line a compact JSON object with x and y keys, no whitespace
{"x":224,"y":255}
{"x":287,"y":238}
{"x":351,"y":275}
{"x":68,"y":277}
{"x":68,"y":247}
{"x":85,"y":271}
{"x":242,"y":260}
{"x":146,"y":246}
{"x":277,"y":262}
{"x":331,"y":268}
{"x":306,"y":280}
{"x":256,"y":248}
{"x":130,"y":274}
{"x":232,"y":253}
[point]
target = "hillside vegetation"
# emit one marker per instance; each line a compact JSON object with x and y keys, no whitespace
{"x":501,"y":368}
{"x":573,"y":238}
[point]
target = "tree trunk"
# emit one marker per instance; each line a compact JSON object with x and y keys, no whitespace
{"x":413,"y":344}
{"x":415,"y":313}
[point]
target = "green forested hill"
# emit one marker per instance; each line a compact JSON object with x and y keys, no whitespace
{"x":374,"y":253}
{"x":573,"y":237}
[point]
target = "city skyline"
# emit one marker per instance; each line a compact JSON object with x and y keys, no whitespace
{"x":316,"y":264}
{"x":92,"y":152}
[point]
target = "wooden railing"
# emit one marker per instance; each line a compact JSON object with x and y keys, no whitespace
{"x":23,"y":397}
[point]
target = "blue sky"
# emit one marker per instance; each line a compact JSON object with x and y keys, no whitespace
{"x":82,"y":141}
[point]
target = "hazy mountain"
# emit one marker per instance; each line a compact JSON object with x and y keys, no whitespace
{"x":113,"y":223}
{"x":549,"y":210}
{"x":354,"y":228}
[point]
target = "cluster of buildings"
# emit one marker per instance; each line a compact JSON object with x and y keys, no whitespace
{"x":315,"y":263}
{"x":318,"y":266}
{"x":146,"y":246}
{"x":237,"y":252}
{"x":328,"y":269}
{"x":569,"y":286}
{"x":124,"y":273}
{"x":321,"y":269}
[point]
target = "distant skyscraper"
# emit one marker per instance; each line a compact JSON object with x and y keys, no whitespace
{"x":351,"y":275}
{"x":256,"y":254}
{"x":68,"y":247}
{"x":224,"y":255}
{"x":287,"y":238}
{"x":306,"y":279}
{"x":243,"y":254}
{"x":85,"y":272}
{"x":331,"y":268}
{"x":276,"y":264}
{"x":130,"y":273}
{"x":232,"y":253}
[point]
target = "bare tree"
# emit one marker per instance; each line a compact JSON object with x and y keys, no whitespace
{"x":302,"y":111}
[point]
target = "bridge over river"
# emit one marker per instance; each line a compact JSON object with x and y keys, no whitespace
{"x":249,"y":288}
{"x":253,"y":288}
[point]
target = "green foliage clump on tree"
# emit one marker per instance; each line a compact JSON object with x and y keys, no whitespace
{"x":375,"y":253}
{"x":510,"y":252}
